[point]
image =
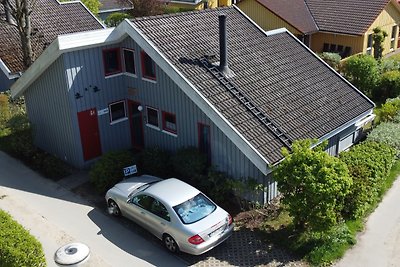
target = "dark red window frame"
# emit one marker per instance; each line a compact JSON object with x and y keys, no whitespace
{"x":143,"y":57}
{"x":158,"y":118}
{"x":164,"y":122}
{"x":119,"y":67}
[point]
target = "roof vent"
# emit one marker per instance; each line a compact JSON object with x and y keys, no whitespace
{"x":223,"y":50}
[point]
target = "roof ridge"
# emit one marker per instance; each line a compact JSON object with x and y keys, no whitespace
{"x":312,"y":16}
{"x":181,"y":13}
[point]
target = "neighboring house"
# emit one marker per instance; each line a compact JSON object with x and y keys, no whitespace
{"x":49,"y":19}
{"x":340,"y":26}
{"x":144,"y":84}
{"x":198,"y":4}
{"x":107,"y":7}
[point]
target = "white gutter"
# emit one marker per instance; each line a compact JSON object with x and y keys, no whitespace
{"x":7,"y":71}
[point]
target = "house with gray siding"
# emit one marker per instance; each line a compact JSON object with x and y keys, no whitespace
{"x":212,"y":79}
{"x":49,"y":19}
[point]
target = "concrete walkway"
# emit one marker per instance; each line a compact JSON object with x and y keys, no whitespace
{"x":379,"y":244}
{"x":57,"y":217}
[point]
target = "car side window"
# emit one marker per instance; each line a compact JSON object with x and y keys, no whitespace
{"x":143,"y":201}
{"x":160,"y":210}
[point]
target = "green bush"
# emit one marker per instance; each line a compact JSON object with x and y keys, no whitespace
{"x":115,"y":18}
{"x":188,"y":163}
{"x":387,"y":133}
{"x":389,"y":110}
{"x":332,"y":59}
{"x":363,"y":72}
{"x":108,"y":170}
{"x":313,"y":184}
{"x":388,"y":65}
{"x":369,"y":163}
{"x":17,"y":247}
{"x":155,"y":161}
{"x":388,"y":87}
{"x":326,"y":247}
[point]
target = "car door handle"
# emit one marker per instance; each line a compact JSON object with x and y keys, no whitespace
{"x":142,"y":212}
{"x":163,"y":224}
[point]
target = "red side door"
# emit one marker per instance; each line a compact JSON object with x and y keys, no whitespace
{"x":90,"y":137}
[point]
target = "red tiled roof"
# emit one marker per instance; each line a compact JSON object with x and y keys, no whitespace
{"x":49,"y":19}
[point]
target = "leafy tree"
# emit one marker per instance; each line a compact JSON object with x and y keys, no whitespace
{"x":389,"y":110}
{"x":314,"y":185}
{"x":18,"y":14}
{"x":141,"y":8}
{"x":115,"y":18}
{"x":378,"y":37}
{"x":363,"y":72}
{"x":389,"y":86}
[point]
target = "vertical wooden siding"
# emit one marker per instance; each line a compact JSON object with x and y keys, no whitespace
{"x":355,"y":42}
{"x":5,"y":83}
{"x":264,"y":17}
{"x":54,"y":131}
{"x":386,"y":20}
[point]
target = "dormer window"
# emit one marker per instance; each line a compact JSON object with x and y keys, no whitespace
{"x":112,"y":61}
{"x":148,"y":66}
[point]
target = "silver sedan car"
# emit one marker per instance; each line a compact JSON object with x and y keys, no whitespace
{"x":177,"y":213}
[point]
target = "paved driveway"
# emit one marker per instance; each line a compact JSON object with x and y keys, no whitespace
{"x":57,"y":217}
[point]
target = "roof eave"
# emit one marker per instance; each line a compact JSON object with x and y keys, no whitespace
{"x":62,"y":44}
{"x":7,"y":72}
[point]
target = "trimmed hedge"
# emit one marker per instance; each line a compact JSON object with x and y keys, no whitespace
{"x":108,"y":170}
{"x":387,"y":133}
{"x":18,"y":248}
{"x":189,"y":163}
{"x":155,"y":161}
{"x":369,"y":164}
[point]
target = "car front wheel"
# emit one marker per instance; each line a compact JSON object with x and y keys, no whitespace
{"x":113,"y":208}
{"x":170,"y":244}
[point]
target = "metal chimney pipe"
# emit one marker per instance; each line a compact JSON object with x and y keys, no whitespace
{"x":223,"y":50}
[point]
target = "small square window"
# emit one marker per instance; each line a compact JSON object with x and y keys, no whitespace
{"x":169,"y":122}
{"x":117,"y":111}
{"x":148,"y":66}
{"x":112,"y":61}
{"x":129,"y":60}
{"x":152,"y":116}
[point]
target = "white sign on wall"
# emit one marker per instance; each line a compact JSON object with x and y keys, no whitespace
{"x":102,"y":111}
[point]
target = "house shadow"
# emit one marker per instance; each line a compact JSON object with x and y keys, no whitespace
{"x":138,"y":242}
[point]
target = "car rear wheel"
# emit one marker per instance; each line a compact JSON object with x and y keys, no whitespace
{"x":170,"y":244}
{"x":113,"y":208}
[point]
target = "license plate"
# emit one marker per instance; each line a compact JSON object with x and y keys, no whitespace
{"x":217,"y":231}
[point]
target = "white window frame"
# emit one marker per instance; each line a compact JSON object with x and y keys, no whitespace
{"x":393,"y":37}
{"x":110,"y":112}
{"x":369,"y":48}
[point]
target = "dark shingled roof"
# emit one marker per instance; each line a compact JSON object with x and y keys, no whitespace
{"x":50,"y":19}
{"x":345,"y":16}
{"x":338,"y":16}
{"x":294,"y":12}
{"x":303,"y":96}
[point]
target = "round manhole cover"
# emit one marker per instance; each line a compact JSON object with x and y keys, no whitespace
{"x":72,"y":254}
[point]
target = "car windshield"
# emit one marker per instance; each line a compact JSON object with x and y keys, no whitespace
{"x":195,"y":209}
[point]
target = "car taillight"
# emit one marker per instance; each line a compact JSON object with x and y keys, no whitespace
{"x":229,"y":219}
{"x":195,"y":240}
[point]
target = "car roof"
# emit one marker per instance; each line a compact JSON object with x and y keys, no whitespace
{"x":172,"y":191}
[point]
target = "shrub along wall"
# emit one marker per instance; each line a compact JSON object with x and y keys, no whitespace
{"x":17,"y":247}
{"x":369,"y":163}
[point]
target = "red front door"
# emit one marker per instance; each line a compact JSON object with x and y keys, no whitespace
{"x":90,"y":137}
{"x":136,"y":124}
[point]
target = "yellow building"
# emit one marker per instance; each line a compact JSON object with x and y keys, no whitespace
{"x":344,"y":27}
{"x":199,"y":4}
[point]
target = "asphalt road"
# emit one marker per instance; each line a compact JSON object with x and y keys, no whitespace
{"x":58,"y":217}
